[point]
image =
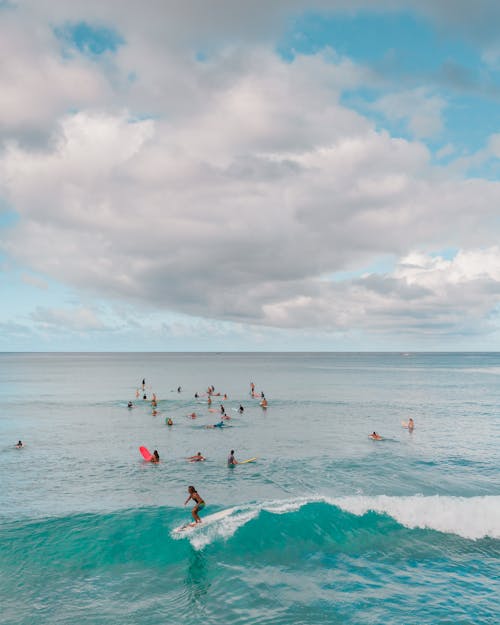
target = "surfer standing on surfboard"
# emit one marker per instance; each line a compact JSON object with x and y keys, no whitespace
{"x":200,"y":504}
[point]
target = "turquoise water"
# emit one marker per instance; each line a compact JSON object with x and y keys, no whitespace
{"x":328,"y":526}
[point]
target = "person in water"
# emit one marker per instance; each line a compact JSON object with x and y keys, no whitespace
{"x":197,"y":458}
{"x":155,"y":458}
{"x":263,"y":403}
{"x":196,"y":395}
{"x":199,"y":503}
{"x":179,"y":389}
{"x":375,"y":436}
{"x":169,"y":421}
{"x":143,"y":383}
{"x":222,"y":409}
{"x":144,"y":396}
{"x":19,"y":444}
{"x":130,"y":405}
{"x":241,"y":409}
{"x":231,"y":460}
{"x":411,"y":424}
{"x":221,"y":424}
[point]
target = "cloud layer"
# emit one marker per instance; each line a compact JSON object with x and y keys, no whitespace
{"x":234,"y":187}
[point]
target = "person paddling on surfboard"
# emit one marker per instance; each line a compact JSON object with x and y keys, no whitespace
{"x":200,"y":504}
{"x":197,"y":458}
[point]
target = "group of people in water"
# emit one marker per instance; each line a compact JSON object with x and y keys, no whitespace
{"x":224,"y":417}
{"x":198,"y":457}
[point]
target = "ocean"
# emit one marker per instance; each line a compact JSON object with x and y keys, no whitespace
{"x":327,"y":526}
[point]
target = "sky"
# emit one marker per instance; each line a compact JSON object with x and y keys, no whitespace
{"x":249,"y":176}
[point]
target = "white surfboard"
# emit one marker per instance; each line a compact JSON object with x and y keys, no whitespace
{"x":188,"y":528}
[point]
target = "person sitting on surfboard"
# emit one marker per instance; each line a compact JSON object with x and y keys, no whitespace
{"x":231,"y":460}
{"x":155,"y":457}
{"x":200,"y":504}
{"x":197,"y":458}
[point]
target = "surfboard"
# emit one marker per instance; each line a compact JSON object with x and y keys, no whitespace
{"x":188,"y":528}
{"x":375,"y":438}
{"x":145,"y":453}
{"x":249,"y":460}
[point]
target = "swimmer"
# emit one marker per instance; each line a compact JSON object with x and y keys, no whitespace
{"x":263,"y":403}
{"x":196,"y":395}
{"x":130,"y":405}
{"x":197,"y":458}
{"x":200,"y":504}
{"x":241,"y":409}
{"x":221,"y":424}
{"x":193,"y":415}
{"x":19,"y":444}
{"x":169,"y":421}
{"x":179,"y":389}
{"x":155,"y":458}
{"x":231,"y":460}
{"x":144,"y":396}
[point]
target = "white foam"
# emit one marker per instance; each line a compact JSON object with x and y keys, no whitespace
{"x":469,"y":517}
{"x":222,"y":529}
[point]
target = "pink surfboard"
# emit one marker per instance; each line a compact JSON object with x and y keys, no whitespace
{"x":145,"y":453}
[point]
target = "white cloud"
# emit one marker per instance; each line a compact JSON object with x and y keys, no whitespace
{"x":421,"y":110}
{"x":248,"y":184}
{"x":79,"y":319}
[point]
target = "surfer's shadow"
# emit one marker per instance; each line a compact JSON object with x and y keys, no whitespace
{"x":197,"y":580}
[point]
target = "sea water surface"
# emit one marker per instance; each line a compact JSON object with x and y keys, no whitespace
{"x":328,"y":526}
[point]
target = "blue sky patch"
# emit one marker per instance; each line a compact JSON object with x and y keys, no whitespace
{"x":90,"y":40}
